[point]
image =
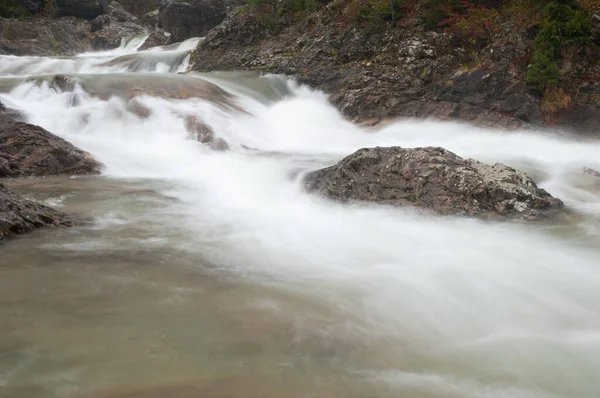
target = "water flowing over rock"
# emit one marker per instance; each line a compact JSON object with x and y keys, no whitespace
{"x":27,"y":150}
{"x":203,"y":133}
{"x":194,"y":18}
{"x":128,"y":86}
{"x":19,"y":215}
{"x":434,"y":179}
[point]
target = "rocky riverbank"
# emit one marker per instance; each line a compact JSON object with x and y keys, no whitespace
{"x":376,"y":70}
{"x":29,"y":150}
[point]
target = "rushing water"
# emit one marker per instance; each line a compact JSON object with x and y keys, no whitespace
{"x":209,"y":274}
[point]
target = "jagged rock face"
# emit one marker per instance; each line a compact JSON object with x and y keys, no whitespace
{"x":19,"y":215}
{"x":434,"y":179}
{"x":27,"y":150}
{"x":88,"y":9}
{"x":193,"y":18}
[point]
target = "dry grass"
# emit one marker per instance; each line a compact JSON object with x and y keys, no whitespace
{"x":555,"y":101}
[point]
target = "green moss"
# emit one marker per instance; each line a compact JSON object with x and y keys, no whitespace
{"x":411,"y":198}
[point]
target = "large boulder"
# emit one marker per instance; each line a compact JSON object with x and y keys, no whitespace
{"x":88,"y":9}
{"x":434,"y":179}
{"x":27,"y":150}
{"x":19,"y":215}
{"x":193,"y":18}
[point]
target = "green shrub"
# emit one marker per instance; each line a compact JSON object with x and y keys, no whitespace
{"x":565,"y":23}
{"x":543,"y":72}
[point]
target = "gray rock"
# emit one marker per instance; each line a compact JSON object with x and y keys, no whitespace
{"x":99,"y":23}
{"x":434,"y":179}
{"x":19,"y":215}
{"x":205,"y":134}
{"x":193,"y":18}
{"x":88,"y":9}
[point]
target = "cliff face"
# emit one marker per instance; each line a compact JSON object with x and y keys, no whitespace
{"x":378,"y":69}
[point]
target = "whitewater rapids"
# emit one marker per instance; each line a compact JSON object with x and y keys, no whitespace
{"x":374,"y":300}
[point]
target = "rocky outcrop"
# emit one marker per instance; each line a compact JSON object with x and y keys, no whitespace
{"x":193,"y":18}
{"x":64,"y":36}
{"x":88,"y":9}
{"x":434,"y":179}
{"x":374,"y":71}
{"x":19,"y":215}
{"x":27,"y":150}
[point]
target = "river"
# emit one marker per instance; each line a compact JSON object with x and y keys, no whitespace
{"x":212,"y":274}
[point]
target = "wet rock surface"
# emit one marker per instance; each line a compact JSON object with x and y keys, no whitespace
{"x":27,"y":150}
{"x":203,"y":133}
{"x":434,"y":179}
{"x":19,"y":215}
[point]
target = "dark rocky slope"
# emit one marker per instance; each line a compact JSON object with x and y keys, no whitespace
{"x":375,"y":72}
{"x":434,"y":179}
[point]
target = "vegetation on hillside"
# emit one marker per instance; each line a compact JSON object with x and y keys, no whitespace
{"x":562,"y":27}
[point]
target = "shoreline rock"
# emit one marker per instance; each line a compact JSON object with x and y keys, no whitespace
{"x":28,"y":150}
{"x":434,"y":179}
{"x":19,"y":215}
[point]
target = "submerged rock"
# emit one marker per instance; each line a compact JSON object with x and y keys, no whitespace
{"x":205,"y":134}
{"x":26,"y":150}
{"x":591,"y":172}
{"x":434,"y":179}
{"x":19,"y":215}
